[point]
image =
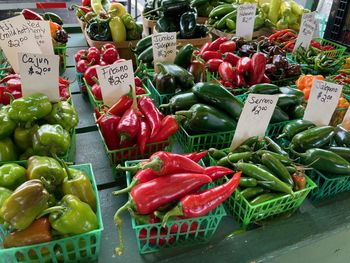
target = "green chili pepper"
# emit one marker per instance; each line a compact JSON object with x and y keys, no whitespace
{"x":64,"y":114}
{"x":12,"y":175}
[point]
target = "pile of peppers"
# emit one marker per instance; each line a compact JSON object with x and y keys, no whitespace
{"x":33,"y":125}
{"x":166,"y":187}
{"x":45,"y":201}
{"x":135,"y":121}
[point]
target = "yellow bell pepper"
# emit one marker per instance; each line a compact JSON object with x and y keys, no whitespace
{"x":116,"y":9}
{"x":118,"y":29}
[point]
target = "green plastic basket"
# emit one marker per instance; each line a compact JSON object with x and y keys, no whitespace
{"x":157,"y":97}
{"x":61,"y":51}
{"x":81,"y":83}
{"x":328,"y":187}
{"x":191,"y":231}
{"x":70,"y":155}
{"x":96,"y":103}
{"x":338,"y":50}
{"x":84,"y":247}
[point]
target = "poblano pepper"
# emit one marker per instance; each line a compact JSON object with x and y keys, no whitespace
{"x":7,"y":126}
{"x":50,"y":140}
{"x":46,"y":169}
{"x":71,"y":216}
{"x":188,"y":25}
{"x":25,"y":204}
{"x":98,"y":29}
{"x":30,"y":108}
{"x":23,"y":136}
{"x":166,"y":24}
{"x":7,"y":150}
{"x":12,"y":175}
{"x":64,"y":114}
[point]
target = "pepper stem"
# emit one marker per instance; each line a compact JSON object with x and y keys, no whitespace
{"x":63,"y":164}
{"x":96,"y":80}
{"x":152,"y":11}
{"x":185,"y":113}
{"x":124,"y":137}
{"x":126,"y":189}
{"x":132,"y":169}
{"x":282,"y":135}
{"x":176,"y":211}
{"x":118,"y":222}
{"x":134,"y":99}
{"x":50,"y":210}
{"x":155,"y":164}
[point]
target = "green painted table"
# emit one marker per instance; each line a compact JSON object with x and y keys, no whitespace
{"x":314,"y":234}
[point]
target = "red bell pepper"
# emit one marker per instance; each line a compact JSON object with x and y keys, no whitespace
{"x":129,"y":125}
{"x":257,"y":69}
{"x":227,"y":72}
{"x":217,"y":172}
{"x":243,"y":65}
{"x":143,"y":135}
{"x":204,"y":48}
{"x":231,"y":58}
{"x":152,"y":114}
{"x":110,"y":55}
{"x":31,"y":15}
{"x":93,"y":57}
{"x":211,"y":54}
{"x":108,"y":125}
{"x":214,"y":46}
{"x":96,"y":91}
{"x":213,"y":64}
{"x":82,"y":66}
{"x":168,"y":127}
{"x":228,"y":46}
{"x":90,"y":75}
{"x":195,"y":205}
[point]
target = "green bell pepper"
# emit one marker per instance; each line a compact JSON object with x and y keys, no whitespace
{"x":12,"y":175}
{"x":30,"y":108}
{"x":4,"y":194}
{"x":50,"y":140}
{"x":128,"y":21}
{"x":23,"y":137}
{"x":7,"y":150}
{"x":64,"y":114}
{"x":24,"y":204}
{"x":71,"y":216}
{"x":98,"y":29}
{"x":7,"y":126}
{"x":46,"y":169}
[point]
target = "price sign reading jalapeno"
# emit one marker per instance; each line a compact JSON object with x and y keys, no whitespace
{"x":323,"y":100}
{"x":307,"y":30}
{"x":16,"y":36}
{"x":115,"y":81}
{"x":39,"y":73}
{"x":164,"y":47}
{"x":255,"y":117}
{"x":245,"y":20}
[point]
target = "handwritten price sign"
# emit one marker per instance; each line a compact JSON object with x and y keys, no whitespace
{"x":245,"y":20}
{"x":164,"y":47}
{"x":15,"y":37}
{"x":115,"y":81}
{"x":324,"y":97}
{"x":307,"y":29}
{"x":255,"y":117}
{"x":42,"y":35}
{"x":39,"y":73}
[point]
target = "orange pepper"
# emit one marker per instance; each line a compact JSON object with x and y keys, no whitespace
{"x":54,"y":27}
{"x":307,"y":93}
{"x":343,"y":103}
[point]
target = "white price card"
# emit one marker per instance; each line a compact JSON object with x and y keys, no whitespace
{"x":323,"y":100}
{"x":346,"y":121}
{"x":164,"y":47}
{"x":255,"y":117}
{"x":307,"y":28}
{"x":245,"y":21}
{"x":16,"y":37}
{"x":42,"y":35}
{"x":39,"y":73}
{"x":115,"y":81}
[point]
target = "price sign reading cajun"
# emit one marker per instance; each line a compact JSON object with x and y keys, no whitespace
{"x":255,"y":117}
{"x":245,"y":21}
{"x":115,"y":81}
{"x":42,"y":35}
{"x":15,"y":37}
{"x":164,"y":47}
{"x":323,"y":100}
{"x":307,"y":29}
{"x":39,"y":73}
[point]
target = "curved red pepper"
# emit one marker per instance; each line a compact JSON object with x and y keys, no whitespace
{"x":214,"y":46}
{"x":108,"y":125}
{"x":231,"y":58}
{"x":139,"y":90}
{"x":204,"y":48}
{"x":195,"y":205}
{"x":128,"y":126}
{"x":257,"y":69}
{"x":96,"y":91}
{"x":168,"y":127}
{"x":196,"y":157}
{"x":152,"y":114}
{"x":210,"y":55}
{"x":243,"y":65}
{"x":213,"y":64}
{"x":227,"y":72}
{"x":143,"y":135}
{"x":217,"y":172}
{"x":120,"y":107}
{"x":228,"y":46}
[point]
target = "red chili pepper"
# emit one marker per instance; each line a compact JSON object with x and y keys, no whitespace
{"x":96,"y":91}
{"x":120,"y":107}
{"x":240,"y":82}
{"x":81,"y":55}
{"x":213,"y":64}
{"x":139,"y":90}
{"x":277,"y":34}
{"x":231,"y":58}
{"x":129,"y":125}
{"x":265,"y":79}
{"x":217,"y":172}
{"x":227,"y":72}
{"x":243,"y":65}
{"x":168,"y":127}
{"x":108,"y":125}
{"x":138,"y":82}
{"x":211,"y":54}
{"x":63,"y":81}
{"x":327,"y":47}
{"x":143,"y":135}
{"x":228,"y":46}
{"x":257,"y":69}
{"x":86,"y":2}
{"x":10,"y":76}
{"x":315,"y":44}
{"x":110,"y":55}
{"x":204,"y":48}
{"x":152,"y":114}
{"x":195,"y":205}
{"x":196,"y":157}
{"x":82,"y":66}
{"x":31,"y":15}
{"x":299,"y":181}
{"x":90,"y":75}
{"x":214,"y":46}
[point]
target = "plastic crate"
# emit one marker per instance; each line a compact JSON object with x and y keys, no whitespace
{"x":198,"y":230}
{"x":81,"y":83}
{"x":70,"y":155}
{"x":95,"y":103}
{"x":84,"y":247}
{"x":328,"y":187}
{"x":338,"y":50}
{"x":131,"y":153}
{"x":155,"y":95}
{"x":61,"y":52}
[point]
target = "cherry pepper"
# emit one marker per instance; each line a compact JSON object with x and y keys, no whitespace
{"x":195,"y":205}
{"x":147,"y":197}
{"x":152,"y":114}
